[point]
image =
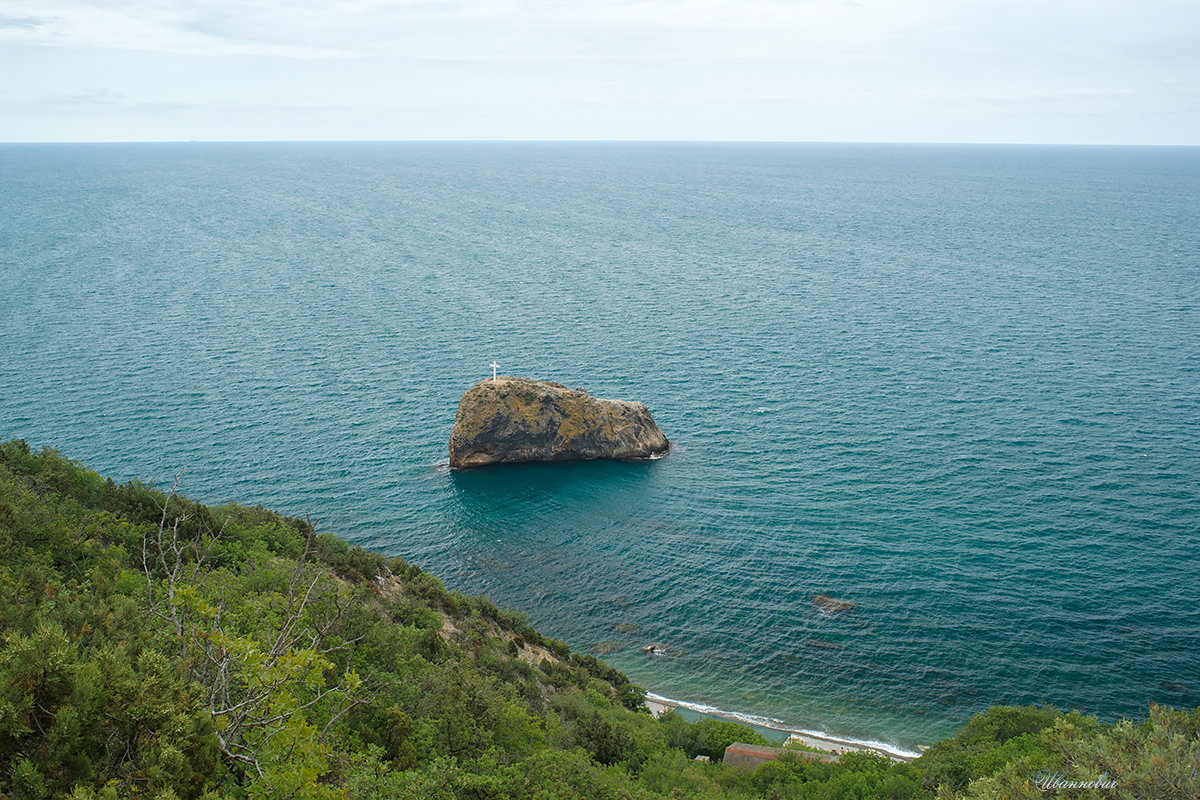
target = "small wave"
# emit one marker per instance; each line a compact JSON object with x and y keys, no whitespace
{"x":779,"y":725}
{"x":749,"y":719}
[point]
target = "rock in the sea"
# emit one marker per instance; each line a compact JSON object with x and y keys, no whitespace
{"x":509,"y":419}
{"x":822,"y":644}
{"x":832,"y":605}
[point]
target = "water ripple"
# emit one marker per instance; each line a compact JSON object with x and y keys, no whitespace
{"x":956,"y":386}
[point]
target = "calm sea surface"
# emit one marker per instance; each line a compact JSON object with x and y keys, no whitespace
{"x":956,"y":385}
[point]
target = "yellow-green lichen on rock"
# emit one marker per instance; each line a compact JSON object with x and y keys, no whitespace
{"x":511,"y":419}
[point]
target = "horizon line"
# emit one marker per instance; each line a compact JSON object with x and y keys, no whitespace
{"x":600,"y":141}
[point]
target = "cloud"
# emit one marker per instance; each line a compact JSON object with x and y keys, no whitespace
{"x":1055,"y":97}
{"x":778,"y":68}
{"x":964,"y":36}
{"x":22,"y":23}
{"x":165,"y":26}
{"x":481,"y":30}
{"x":87,"y":100}
{"x":103,"y":100}
{"x":786,"y":30}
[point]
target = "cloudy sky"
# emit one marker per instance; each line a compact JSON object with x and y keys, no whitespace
{"x":1082,"y":71}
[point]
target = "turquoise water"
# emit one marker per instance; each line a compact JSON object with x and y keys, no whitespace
{"x":957,"y":385}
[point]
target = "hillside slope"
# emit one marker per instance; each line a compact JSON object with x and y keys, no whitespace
{"x":155,"y":647}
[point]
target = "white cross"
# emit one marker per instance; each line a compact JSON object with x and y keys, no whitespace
{"x":494,"y":367}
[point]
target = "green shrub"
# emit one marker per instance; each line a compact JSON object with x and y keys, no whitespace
{"x":108,"y":687}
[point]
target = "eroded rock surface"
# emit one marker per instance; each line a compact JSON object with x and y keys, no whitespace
{"x":511,"y":419}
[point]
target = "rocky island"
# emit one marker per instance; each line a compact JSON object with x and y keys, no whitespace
{"x":509,"y":419}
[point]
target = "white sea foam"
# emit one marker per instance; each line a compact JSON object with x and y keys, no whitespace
{"x":779,"y":725}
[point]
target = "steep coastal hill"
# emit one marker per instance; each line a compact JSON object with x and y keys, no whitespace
{"x":152,"y":646}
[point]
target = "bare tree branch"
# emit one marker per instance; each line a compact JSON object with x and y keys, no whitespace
{"x":251,"y":708}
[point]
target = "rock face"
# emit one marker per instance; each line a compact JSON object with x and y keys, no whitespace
{"x":513,"y":419}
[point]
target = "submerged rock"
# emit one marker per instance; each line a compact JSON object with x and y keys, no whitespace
{"x":833,"y":605}
{"x":822,"y":644}
{"x":510,"y":419}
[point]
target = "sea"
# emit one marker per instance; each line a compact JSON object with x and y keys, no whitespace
{"x":956,"y":386}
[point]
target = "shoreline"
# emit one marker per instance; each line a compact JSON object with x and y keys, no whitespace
{"x":819,"y":740}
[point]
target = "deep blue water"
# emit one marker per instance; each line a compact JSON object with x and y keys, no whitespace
{"x":957,"y":385}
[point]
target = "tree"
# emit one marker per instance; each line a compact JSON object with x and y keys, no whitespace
{"x":264,"y":667}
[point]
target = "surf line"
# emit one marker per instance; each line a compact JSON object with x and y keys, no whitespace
{"x":817,"y":739}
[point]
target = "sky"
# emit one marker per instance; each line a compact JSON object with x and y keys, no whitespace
{"x":1036,"y":71}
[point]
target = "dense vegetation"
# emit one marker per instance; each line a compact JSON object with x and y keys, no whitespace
{"x":155,"y":647}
